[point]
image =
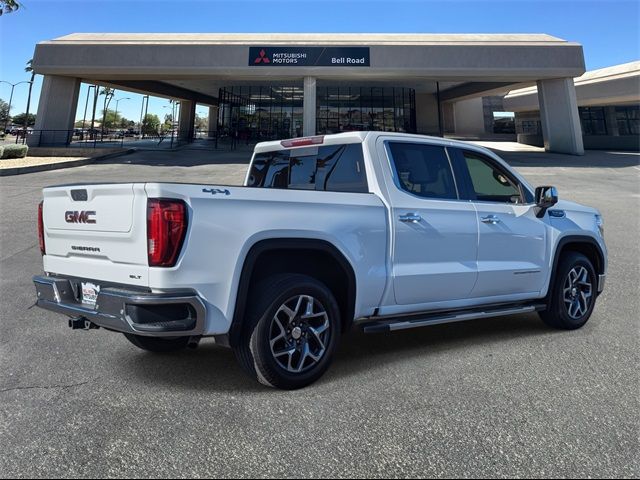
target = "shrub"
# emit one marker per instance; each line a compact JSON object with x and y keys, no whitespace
{"x":14,"y":151}
{"x":1,"y":150}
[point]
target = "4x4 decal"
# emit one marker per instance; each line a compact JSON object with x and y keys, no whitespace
{"x":213,"y":191}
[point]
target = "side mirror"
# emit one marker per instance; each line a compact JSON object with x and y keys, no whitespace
{"x":546,"y":197}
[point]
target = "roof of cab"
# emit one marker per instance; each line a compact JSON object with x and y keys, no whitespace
{"x":359,"y":137}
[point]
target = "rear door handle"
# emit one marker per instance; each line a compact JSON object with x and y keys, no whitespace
{"x":410,"y":218}
{"x":490,"y":219}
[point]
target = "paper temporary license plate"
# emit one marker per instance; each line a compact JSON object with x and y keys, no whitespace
{"x":90,"y":293}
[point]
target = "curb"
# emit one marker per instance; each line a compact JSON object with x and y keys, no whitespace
{"x":57,"y":166}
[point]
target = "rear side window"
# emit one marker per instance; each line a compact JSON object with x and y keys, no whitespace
{"x":270,"y":170}
{"x":423,"y":170}
{"x":332,"y":168}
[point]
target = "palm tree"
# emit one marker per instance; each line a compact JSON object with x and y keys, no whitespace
{"x":8,"y":6}
{"x":29,"y":69}
{"x":108,"y":95}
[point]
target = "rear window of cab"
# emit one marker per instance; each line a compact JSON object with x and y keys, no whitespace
{"x":330,"y":168}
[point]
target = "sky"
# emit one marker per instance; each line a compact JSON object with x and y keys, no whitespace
{"x":607,"y":29}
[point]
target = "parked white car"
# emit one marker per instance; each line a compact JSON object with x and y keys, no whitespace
{"x":385,"y":231}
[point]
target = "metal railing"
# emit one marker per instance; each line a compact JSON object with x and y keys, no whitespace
{"x":77,"y":138}
{"x":95,"y":139}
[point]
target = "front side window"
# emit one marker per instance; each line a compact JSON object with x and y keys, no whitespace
{"x":423,"y":170}
{"x":489,"y":182}
{"x":332,"y":168}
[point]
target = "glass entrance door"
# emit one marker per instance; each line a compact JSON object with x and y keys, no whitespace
{"x":343,"y":109}
{"x":259,"y":113}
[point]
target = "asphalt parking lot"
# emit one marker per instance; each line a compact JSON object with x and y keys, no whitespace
{"x":491,"y":398}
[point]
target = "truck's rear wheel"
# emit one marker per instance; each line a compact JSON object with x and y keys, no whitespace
{"x":572,"y":296}
{"x":158,"y":345}
{"x":290,"y":333}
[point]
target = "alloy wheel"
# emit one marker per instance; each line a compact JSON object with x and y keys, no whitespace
{"x":577,"y":292}
{"x":299,"y":334}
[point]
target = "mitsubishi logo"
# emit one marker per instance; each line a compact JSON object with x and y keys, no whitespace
{"x":262,"y":58}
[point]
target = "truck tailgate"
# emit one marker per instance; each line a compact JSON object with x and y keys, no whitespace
{"x":97,"y":231}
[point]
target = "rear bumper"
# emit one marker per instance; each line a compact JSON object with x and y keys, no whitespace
{"x":166,"y":314}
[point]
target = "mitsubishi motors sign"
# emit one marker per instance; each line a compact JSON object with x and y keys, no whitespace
{"x":309,"y":56}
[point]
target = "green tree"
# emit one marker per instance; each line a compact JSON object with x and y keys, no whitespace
{"x":111,"y":120}
{"x":150,"y":124}
{"x":21,"y":119}
{"x":4,"y":112}
{"x":8,"y":6}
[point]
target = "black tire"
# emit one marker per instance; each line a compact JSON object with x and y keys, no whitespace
{"x":562,"y":312}
{"x":158,"y":345}
{"x":268,"y":301}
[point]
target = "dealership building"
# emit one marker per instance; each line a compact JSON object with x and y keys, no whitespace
{"x":268,"y":86}
{"x":608,"y":107}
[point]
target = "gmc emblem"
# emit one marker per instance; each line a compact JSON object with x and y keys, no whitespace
{"x":79,"y":217}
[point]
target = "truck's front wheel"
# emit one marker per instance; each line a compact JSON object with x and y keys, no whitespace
{"x":572,"y":295}
{"x":291,"y":331}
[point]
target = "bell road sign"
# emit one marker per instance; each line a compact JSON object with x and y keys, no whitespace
{"x":309,"y":56}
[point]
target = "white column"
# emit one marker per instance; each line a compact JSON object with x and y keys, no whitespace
{"x":559,"y":116}
{"x":309,"y":107}
{"x":213,"y":121}
{"x":56,"y":111}
{"x":187,"y":120}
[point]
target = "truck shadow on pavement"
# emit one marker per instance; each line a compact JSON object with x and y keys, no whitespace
{"x":180,"y":158}
{"x":362,"y":352}
{"x":214,"y":368}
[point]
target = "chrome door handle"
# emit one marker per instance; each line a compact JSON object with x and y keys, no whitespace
{"x":410,"y":218}
{"x":491,"y":219}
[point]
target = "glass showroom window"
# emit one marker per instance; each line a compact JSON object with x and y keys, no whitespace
{"x":344,"y":109}
{"x":628,"y":119}
{"x":592,"y":120}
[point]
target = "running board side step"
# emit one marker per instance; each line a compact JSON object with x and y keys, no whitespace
{"x":414,"y":321}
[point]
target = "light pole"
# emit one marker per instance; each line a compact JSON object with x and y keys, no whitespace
{"x":143,"y":113}
{"x":116,"y":118}
{"x":172,"y":105}
{"x":124,"y":98}
{"x":13,"y":85}
{"x":86,"y":104}
{"x":173,"y":119}
{"x":93,"y":115}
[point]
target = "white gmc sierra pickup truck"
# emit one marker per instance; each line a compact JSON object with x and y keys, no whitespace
{"x":385,"y":231}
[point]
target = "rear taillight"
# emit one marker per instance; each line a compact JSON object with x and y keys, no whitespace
{"x":41,"y":228}
{"x":166,"y":229}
